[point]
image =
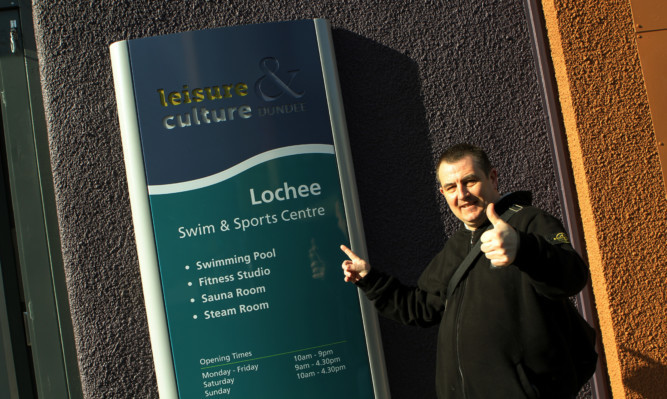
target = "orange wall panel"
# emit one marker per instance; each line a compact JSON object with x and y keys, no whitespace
{"x":650,"y":23}
{"x":619,"y":183}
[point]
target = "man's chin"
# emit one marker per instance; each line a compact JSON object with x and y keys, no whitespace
{"x":474,"y":220}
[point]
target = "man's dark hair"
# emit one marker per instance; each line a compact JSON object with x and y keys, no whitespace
{"x":459,"y":151}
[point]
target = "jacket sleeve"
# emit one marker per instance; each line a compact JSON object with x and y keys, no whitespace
{"x":555,"y":269}
{"x":408,"y":305}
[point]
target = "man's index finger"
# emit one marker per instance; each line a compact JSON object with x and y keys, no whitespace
{"x":349,"y":252}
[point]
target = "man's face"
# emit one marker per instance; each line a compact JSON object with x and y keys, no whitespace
{"x":468,"y":190}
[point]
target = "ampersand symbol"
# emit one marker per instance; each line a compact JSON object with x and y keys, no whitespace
{"x":224,"y":226}
{"x":269,"y":66}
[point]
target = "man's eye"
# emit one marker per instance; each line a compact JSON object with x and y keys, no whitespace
{"x":471,"y":183}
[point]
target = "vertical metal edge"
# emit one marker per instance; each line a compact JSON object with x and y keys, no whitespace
{"x":350,"y":200}
{"x":46,"y":188}
{"x":566,"y":186}
{"x":48,"y":322}
{"x":141,"y":218}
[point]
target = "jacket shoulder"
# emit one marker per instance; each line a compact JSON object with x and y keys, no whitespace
{"x":534,"y":220}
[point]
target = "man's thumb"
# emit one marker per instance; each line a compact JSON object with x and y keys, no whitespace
{"x":492,"y":215}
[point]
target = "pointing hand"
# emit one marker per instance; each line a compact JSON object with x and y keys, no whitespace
{"x":356,"y":268}
{"x":501,"y":243}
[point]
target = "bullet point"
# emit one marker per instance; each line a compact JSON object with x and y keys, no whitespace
{"x":194,"y":317}
{"x":189,"y":283}
{"x":187,"y":267}
{"x":192,"y":300}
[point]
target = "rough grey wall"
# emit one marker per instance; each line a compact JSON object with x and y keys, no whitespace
{"x":416,"y":77}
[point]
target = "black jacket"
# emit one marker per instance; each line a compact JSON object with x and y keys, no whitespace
{"x":498,"y":335}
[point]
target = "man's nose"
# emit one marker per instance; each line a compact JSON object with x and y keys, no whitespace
{"x":461,"y":191}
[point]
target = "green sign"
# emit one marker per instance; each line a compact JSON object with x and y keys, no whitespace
{"x":242,"y":191}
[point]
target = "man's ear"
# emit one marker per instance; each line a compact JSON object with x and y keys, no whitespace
{"x":493,"y":175}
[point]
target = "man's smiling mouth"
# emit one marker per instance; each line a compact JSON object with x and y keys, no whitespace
{"x":467,"y":205}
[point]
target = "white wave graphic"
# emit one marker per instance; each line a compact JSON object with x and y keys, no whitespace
{"x":240,"y":168}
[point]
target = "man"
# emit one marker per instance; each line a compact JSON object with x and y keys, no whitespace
{"x":500,"y":334}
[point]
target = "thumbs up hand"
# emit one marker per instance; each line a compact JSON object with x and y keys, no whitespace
{"x":501,"y":243}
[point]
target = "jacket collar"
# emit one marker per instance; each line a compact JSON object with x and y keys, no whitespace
{"x":523,"y":198}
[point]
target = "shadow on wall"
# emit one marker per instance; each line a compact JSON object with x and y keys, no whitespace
{"x":393,"y":162}
{"x":647,"y":379}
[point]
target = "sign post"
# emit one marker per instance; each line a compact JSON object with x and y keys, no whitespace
{"x":242,"y":189}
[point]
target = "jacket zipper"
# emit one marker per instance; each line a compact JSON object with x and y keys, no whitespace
{"x":458,"y":325}
{"x":458,"y":335}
